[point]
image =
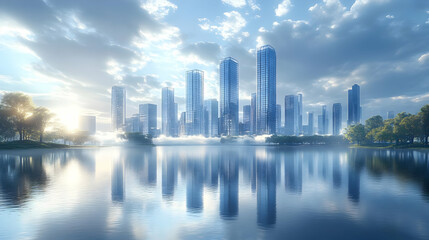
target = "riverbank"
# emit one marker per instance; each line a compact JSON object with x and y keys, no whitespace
{"x":28,"y":144}
{"x":392,"y":146}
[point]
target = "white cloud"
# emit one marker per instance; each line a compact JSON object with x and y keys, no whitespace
{"x":159,"y":8}
{"x":390,"y":16}
{"x":283,"y":8}
{"x":229,"y":28}
{"x":253,"y":5}
{"x":235,"y":3}
{"x":423,"y":58}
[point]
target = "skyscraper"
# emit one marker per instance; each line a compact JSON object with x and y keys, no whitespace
{"x":169,"y":118}
{"x":390,"y":115}
{"x":310,"y":124}
{"x":228,"y":74}
{"x":253,"y":114}
{"x":300,"y":131}
{"x":337,"y":113}
{"x":320,"y":124}
{"x":354,"y":108}
{"x":246,"y":118}
{"x":325,"y":120}
{"x":148,"y":118}
{"x":194,"y":102}
{"x":278,"y":118}
{"x":118,"y":107}
{"x":87,"y":124}
{"x":291,"y":115}
{"x":211,"y":118}
{"x":182,"y":124}
{"x":266,"y":90}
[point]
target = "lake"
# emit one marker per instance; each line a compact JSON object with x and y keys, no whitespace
{"x":214,"y":192}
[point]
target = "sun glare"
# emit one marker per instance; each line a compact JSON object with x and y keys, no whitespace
{"x":68,"y":116}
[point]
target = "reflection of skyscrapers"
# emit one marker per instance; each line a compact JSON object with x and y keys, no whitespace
{"x":291,"y":115}
{"x":211,"y":118}
{"x":169,"y":118}
{"x":266,"y":90}
{"x":336,"y":172}
{"x":117,"y":181}
{"x":293,"y":173}
{"x":253,"y":114}
{"x":246,"y":118}
{"x":194,"y":102}
{"x":266,"y":191}
{"x":194,"y":186}
{"x":278,"y":118}
{"x":87,"y":124}
{"x":169,"y":176}
{"x":228,"y":73}
{"x":228,"y":186}
{"x":118,"y":107}
{"x":148,"y":118}
{"x":354,"y":108}
{"x":354,"y":182}
{"x":337,"y":113}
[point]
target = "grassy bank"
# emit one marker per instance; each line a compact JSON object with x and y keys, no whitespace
{"x":28,"y":144}
{"x":393,"y":146}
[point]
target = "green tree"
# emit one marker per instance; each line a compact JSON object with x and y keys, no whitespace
{"x":6,"y":126}
{"x":424,"y":116}
{"x":399,"y":130}
{"x":385,"y":133}
{"x":39,"y":121}
{"x":19,"y":107}
{"x":356,"y":133}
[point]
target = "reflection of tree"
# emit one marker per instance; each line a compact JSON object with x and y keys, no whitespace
{"x":19,"y":176}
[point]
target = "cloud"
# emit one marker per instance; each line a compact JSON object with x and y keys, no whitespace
{"x":159,"y":8}
{"x":205,"y":52}
{"x":283,"y":8}
{"x":423,"y":58}
{"x":235,"y":3}
{"x":229,"y":28}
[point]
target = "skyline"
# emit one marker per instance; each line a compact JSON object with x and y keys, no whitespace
{"x":67,"y":59}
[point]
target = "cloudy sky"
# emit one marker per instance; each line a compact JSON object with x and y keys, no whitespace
{"x":68,"y":54}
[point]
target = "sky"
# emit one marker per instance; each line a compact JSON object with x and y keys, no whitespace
{"x":68,"y":54}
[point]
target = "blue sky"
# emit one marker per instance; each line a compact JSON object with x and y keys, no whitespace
{"x":68,"y":54}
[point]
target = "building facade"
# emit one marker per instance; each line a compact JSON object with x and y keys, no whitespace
{"x":87,"y":124}
{"x":310,"y":124}
{"x":253,"y":114}
{"x":247,"y":109}
{"x":337,"y":113}
{"x":300,"y":130}
{"x":291,"y":115}
{"x":169,"y":115}
{"x":118,"y":108}
{"x":354,"y":108}
{"x":148,"y":118}
{"x":194,"y":102}
{"x":211,"y":125}
{"x":228,"y":75}
{"x":266,"y":90}
{"x":278,"y":118}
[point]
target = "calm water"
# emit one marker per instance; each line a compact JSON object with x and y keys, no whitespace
{"x":214,"y":192}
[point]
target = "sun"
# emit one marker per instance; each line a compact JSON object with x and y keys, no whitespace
{"x":68,"y":116}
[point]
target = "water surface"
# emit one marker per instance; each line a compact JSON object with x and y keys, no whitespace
{"x":214,"y":192}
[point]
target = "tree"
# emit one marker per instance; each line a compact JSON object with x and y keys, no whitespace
{"x":356,"y":133}
{"x":373,"y":122}
{"x":6,"y":126}
{"x":424,"y":116}
{"x":19,"y":108}
{"x":385,"y":133}
{"x":39,"y":121}
{"x":399,"y":130}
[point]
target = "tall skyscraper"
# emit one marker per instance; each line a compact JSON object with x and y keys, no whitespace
{"x":253,"y":114}
{"x":300,"y":131}
{"x":182,"y":124}
{"x":176,"y":120}
{"x":133,"y":124}
{"x":246,"y":118}
{"x":325,"y":120}
{"x":337,"y":113}
{"x":320,"y":128}
{"x":169,"y":116}
{"x":266,"y":90}
{"x":211,"y":118}
{"x":148,"y":118}
{"x":194,"y":102}
{"x":310,"y":124}
{"x":390,"y":115}
{"x":118,"y":107}
{"x":278,"y":118}
{"x":291,"y":115}
{"x":87,"y":124}
{"x":228,"y":74}
{"x":354,"y":108}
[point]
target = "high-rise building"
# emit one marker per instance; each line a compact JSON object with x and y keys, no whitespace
{"x":354,"y":108}
{"x":133,"y":124}
{"x":211,"y":118}
{"x":390,"y":115}
{"x":176,"y":120}
{"x":291,"y":115}
{"x":337,"y":113}
{"x":87,"y":124}
{"x":325,"y":120}
{"x":253,"y":114}
{"x":300,"y":131}
{"x":194,"y":102}
{"x":182,"y":124}
{"x":169,"y":116}
{"x":148,"y":118}
{"x":310,"y":124}
{"x":118,"y":107}
{"x":320,"y":128}
{"x":246,"y":118}
{"x":278,"y":118}
{"x":228,"y":74}
{"x":266,"y":90}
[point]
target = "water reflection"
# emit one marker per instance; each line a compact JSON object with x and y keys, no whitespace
{"x":222,"y":183}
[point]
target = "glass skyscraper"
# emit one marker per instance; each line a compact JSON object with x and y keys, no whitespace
{"x":118,"y":107}
{"x":354,"y":108}
{"x":278,"y":118}
{"x":310,"y":124}
{"x":266,"y":90}
{"x":211,"y":118}
{"x":228,"y":74}
{"x":300,"y":131}
{"x":336,"y":118}
{"x":169,"y":116}
{"x":253,"y":114}
{"x":148,"y":118}
{"x":247,"y":109}
{"x":291,"y":115}
{"x":194,"y":102}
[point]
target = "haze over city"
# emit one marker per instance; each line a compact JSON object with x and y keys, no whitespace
{"x":68,"y":54}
